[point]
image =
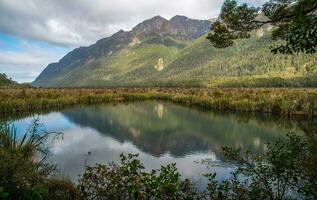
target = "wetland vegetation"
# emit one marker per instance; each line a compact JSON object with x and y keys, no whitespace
{"x":287,"y":102}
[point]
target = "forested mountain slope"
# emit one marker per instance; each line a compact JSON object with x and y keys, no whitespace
{"x":160,"y":52}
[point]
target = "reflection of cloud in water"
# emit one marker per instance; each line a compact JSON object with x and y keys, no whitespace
{"x":49,"y":123}
{"x":70,"y":152}
{"x":159,"y":109}
{"x":212,"y":156}
{"x":191,"y":139}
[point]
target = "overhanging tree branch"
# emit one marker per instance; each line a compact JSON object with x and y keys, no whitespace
{"x":295,"y":22}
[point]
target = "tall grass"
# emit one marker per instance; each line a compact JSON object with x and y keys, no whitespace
{"x":28,"y":146}
{"x":23,"y":164}
{"x":284,"y":102}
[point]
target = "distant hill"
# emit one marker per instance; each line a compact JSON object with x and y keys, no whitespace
{"x":160,"y":52}
{"x":5,"y":81}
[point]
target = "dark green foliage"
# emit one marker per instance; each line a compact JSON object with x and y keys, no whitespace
{"x":61,"y":189}
{"x":232,"y":17}
{"x":129,"y":180}
{"x":308,"y":165}
{"x":309,"y":81}
{"x":280,"y":173}
{"x":277,"y":174}
{"x":295,"y":22}
{"x":23,"y":166}
{"x":3,"y":194}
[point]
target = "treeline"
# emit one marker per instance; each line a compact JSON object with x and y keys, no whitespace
{"x":248,"y":63}
{"x":309,"y":81}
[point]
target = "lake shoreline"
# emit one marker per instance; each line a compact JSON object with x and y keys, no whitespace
{"x":285,"y":102}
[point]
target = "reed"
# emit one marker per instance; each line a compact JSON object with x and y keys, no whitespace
{"x":285,"y":102}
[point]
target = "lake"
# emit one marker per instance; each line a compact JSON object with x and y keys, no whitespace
{"x":160,"y":132}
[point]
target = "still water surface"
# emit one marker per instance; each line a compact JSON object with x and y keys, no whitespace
{"x":161,"y":133}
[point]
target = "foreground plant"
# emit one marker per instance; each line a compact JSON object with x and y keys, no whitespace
{"x":129,"y":180}
{"x":23,"y":164}
{"x":285,"y":171}
{"x":278,"y":174}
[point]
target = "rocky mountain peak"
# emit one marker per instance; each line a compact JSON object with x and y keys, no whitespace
{"x":157,"y":25}
{"x":178,"y":19}
{"x":193,"y":28}
{"x":157,"y":18}
{"x":180,"y":26}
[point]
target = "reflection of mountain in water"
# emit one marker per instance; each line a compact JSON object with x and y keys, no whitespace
{"x":159,"y":108}
{"x":158,"y":128}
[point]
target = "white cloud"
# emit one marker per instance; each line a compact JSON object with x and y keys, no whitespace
{"x":81,"y":22}
{"x":73,"y":23}
{"x":26,"y":64}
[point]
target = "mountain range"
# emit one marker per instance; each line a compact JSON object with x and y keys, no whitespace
{"x":175,"y":52}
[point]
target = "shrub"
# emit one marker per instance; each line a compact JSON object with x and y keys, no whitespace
{"x":59,"y":188}
{"x":128,"y":180}
{"x":278,"y":174}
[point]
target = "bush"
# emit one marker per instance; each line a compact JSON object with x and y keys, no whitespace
{"x":128,"y":180}
{"x":61,"y":189}
{"x":278,"y":174}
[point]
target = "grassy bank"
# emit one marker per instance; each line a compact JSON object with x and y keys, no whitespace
{"x":284,"y":102}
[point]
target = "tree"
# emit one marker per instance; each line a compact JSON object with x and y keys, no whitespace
{"x":295,"y":23}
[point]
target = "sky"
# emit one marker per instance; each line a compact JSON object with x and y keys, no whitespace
{"x":34,"y":33}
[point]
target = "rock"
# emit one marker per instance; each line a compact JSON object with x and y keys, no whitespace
{"x":134,"y":42}
{"x":160,"y":64}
